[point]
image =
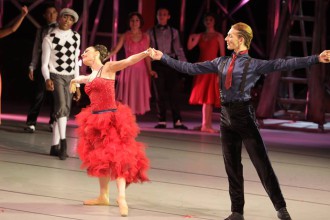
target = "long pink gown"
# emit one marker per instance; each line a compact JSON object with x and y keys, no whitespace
{"x":205,"y":88}
{"x":107,"y":142}
{"x":133,"y":88}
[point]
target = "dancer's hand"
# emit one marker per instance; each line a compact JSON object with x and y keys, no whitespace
{"x":324,"y":57}
{"x":49,"y":85}
{"x":153,"y":74}
{"x":73,"y":86}
{"x":77,"y":95}
{"x":156,"y":54}
{"x":24,"y":11}
{"x":148,"y":51}
{"x":31,"y":77}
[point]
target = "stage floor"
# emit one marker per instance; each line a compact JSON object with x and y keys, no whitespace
{"x":188,"y":180}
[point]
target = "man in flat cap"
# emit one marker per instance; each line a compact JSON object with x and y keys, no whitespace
{"x":60,"y":52}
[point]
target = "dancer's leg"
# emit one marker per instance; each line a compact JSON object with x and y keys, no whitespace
{"x":103,"y":198}
{"x":121,"y":200}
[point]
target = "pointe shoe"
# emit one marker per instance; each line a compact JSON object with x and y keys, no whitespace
{"x":97,"y":201}
{"x":123,"y":208}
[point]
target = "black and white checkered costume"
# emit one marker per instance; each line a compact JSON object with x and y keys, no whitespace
{"x":60,"y":52}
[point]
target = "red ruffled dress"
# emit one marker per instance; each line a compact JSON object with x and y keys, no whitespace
{"x":205,"y":88}
{"x":107,"y":132}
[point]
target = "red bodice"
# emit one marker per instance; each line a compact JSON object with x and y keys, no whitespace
{"x":101,"y":93}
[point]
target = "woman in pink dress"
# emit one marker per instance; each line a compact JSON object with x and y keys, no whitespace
{"x":133,"y":88}
{"x":107,"y":129}
{"x":205,"y":90}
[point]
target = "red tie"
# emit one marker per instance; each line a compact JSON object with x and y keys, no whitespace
{"x":229,"y":75}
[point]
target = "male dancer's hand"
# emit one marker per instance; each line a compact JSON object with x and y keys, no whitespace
{"x":49,"y":85}
{"x":153,"y":74}
{"x":324,"y":57}
{"x":31,"y":77}
{"x":156,"y":54}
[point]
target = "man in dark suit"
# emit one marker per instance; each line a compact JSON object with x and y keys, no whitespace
{"x":35,"y":75}
{"x":166,"y":81}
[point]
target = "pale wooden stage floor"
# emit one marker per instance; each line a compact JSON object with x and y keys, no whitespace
{"x":188,"y":180}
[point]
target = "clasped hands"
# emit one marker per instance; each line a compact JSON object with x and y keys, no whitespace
{"x":154,"y":54}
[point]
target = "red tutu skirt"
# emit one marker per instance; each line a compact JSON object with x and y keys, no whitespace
{"x":107,"y":145}
{"x":205,"y":90}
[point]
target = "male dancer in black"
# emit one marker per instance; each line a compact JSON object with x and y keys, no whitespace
{"x":35,"y":75}
{"x":238,"y":125}
{"x":166,"y":39}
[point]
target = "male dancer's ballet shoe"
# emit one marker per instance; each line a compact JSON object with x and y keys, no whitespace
{"x":123,"y":208}
{"x":97,"y":201}
{"x":197,"y":128}
{"x":54,"y":150}
{"x":63,"y":154}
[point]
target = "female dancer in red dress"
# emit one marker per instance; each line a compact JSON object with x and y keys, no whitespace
{"x":107,"y":129}
{"x":205,"y":89}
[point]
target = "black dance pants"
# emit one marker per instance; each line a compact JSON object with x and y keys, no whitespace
{"x":238,"y":125}
{"x":39,"y":95}
{"x":166,"y":87}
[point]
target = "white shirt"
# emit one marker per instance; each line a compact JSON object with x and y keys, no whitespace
{"x":60,"y":52}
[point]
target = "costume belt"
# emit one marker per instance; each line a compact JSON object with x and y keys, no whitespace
{"x":104,"y":111}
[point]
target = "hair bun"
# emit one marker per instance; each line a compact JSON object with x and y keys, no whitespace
{"x":103,"y":51}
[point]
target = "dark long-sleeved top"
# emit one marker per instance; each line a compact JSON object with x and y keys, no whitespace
{"x":256,"y":68}
{"x":36,"y":53}
{"x":165,"y":39}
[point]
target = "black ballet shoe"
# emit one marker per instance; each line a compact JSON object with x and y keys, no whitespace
{"x":63,"y":154}
{"x":182,"y":127}
{"x":55,"y":150}
{"x":160,"y":126}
